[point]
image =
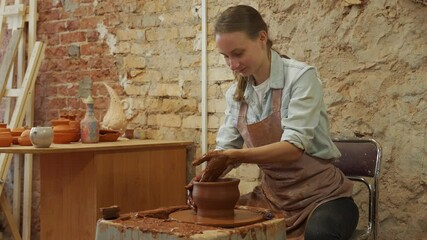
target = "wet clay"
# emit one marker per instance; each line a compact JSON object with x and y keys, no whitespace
{"x":240,"y":218}
{"x":216,"y":199}
{"x":161,"y":221}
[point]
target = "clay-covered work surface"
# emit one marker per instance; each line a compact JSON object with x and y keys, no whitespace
{"x":160,"y":221}
{"x":241,"y":217}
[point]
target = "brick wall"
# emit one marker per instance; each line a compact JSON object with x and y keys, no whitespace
{"x":371,"y":58}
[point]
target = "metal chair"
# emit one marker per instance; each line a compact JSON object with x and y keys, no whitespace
{"x":360,"y":161}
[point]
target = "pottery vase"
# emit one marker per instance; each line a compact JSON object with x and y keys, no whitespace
{"x":41,"y":137}
{"x":216,"y":199}
{"x":115,"y":118}
{"x":89,"y":126}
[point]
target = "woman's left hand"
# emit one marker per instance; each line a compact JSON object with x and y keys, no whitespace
{"x":217,"y":162}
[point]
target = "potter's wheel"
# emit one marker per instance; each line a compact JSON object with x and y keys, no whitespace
{"x":241,"y":217}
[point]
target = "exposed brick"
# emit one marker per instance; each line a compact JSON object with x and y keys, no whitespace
{"x":56,"y":52}
{"x":92,"y":36}
{"x":90,"y":22}
{"x":72,"y":37}
{"x":93,"y":48}
{"x":52,"y":27}
{"x":72,"y":25}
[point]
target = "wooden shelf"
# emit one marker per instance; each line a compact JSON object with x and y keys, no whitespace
{"x":121,"y":143}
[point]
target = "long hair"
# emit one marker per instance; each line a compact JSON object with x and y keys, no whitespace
{"x":242,"y":18}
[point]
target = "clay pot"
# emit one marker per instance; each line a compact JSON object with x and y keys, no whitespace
{"x":129,"y":133}
{"x":62,"y":126}
{"x":216,"y":199}
{"x":5,"y":139}
{"x":64,"y":137}
{"x":41,"y":137}
{"x":74,"y":124}
{"x":108,"y":135}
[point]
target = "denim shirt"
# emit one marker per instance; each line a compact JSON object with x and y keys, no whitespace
{"x":304,"y":122}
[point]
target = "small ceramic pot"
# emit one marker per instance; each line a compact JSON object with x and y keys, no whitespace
{"x":24,"y":138}
{"x":216,"y":199}
{"x":5,"y":139}
{"x":41,"y":137}
{"x":129,"y":133}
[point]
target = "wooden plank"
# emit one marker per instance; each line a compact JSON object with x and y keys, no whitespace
{"x":2,"y":6}
{"x":13,"y":92}
{"x":32,"y":25}
{"x":9,"y":217}
{"x":27,"y":84}
{"x":16,"y":203}
{"x":122,"y":143}
{"x":27,"y":197}
{"x":8,"y":60}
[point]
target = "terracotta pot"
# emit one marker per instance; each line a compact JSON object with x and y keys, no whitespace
{"x":5,"y":139}
{"x":63,"y":137}
{"x":62,"y":126}
{"x":108,"y":135}
{"x":5,"y":130}
{"x":17,"y":131}
{"x":216,"y":199}
{"x":74,"y":124}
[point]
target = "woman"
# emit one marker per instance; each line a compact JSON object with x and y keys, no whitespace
{"x":276,"y":108}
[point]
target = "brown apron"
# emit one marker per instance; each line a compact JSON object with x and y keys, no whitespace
{"x":296,"y":188}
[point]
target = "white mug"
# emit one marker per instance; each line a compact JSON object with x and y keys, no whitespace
{"x":41,"y":137}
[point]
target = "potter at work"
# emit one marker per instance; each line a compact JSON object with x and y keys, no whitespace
{"x":276,"y":108}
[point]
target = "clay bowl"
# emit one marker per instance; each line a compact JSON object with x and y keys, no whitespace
{"x":108,"y":135}
{"x":216,"y":199}
{"x":5,"y":139}
{"x":63,"y":138}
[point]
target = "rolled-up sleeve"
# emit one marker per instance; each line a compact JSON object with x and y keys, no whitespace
{"x":303,"y":113}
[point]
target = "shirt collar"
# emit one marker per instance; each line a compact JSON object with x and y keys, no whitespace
{"x":277,"y":71}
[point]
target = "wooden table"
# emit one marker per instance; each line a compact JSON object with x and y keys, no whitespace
{"x":77,"y":179}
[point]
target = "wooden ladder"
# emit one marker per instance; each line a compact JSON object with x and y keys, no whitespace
{"x":12,"y":70}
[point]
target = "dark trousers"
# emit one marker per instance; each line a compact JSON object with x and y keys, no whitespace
{"x":336,"y":219}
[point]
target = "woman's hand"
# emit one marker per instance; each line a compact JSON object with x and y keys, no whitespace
{"x":217,"y":162}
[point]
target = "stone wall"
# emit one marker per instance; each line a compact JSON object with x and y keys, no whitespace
{"x":371,"y":56}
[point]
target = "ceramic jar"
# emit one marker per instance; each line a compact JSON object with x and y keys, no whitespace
{"x":5,"y":139}
{"x":216,"y":199}
{"x":41,"y":137}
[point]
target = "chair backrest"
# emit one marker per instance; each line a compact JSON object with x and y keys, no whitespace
{"x":359,"y":157}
